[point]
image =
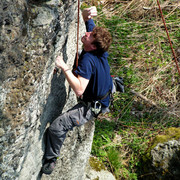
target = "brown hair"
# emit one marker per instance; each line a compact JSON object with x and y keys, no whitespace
{"x":102,"y":40}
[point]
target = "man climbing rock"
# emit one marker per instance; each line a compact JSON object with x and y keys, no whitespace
{"x":92,"y":83}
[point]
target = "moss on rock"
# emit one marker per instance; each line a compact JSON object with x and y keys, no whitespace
{"x":170,"y":134}
{"x":163,"y":152}
{"x":96,"y":164}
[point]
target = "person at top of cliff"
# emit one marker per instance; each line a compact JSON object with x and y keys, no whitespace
{"x":91,"y":82}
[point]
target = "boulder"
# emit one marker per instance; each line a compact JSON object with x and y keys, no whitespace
{"x":96,"y":170}
{"x":162,"y":159}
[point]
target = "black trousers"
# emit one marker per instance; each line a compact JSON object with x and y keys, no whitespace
{"x":56,"y":134}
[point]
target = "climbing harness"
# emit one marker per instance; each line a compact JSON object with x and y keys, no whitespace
{"x":96,"y":108}
{"x":168,"y":36}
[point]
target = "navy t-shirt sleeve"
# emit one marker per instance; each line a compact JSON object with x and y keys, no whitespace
{"x":85,"y":67}
{"x":89,"y":25}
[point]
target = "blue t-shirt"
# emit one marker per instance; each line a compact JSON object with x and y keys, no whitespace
{"x":96,"y":69}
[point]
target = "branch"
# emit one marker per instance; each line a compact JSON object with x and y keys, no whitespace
{"x":145,"y":98}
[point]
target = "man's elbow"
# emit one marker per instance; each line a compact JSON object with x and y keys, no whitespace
{"x":79,"y":92}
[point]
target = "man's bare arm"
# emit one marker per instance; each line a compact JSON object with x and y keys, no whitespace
{"x":78,"y":84}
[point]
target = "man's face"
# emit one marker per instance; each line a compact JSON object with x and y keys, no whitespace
{"x":87,"y":40}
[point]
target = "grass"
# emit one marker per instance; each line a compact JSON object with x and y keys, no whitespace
{"x":141,"y":54}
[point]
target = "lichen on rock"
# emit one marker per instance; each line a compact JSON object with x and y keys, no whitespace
{"x":96,"y":170}
{"x":96,"y":164}
{"x":162,"y":159}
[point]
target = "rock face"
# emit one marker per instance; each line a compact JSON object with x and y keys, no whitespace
{"x":33,"y":33}
{"x":163,"y":160}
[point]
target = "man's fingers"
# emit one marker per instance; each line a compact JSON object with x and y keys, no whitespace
{"x":59,"y":58}
{"x":93,"y":11}
{"x":58,"y":61}
{"x":89,"y":12}
{"x":93,"y":14}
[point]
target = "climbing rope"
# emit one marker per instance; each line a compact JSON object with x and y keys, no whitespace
{"x":168,"y":37}
{"x":77,"y":57}
{"x":77,"y":34}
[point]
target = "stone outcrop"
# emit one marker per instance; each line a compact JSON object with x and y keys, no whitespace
{"x":33,"y":33}
{"x":96,"y":170}
{"x":162,"y":160}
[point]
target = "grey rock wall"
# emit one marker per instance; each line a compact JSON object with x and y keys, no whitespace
{"x":32,"y":34}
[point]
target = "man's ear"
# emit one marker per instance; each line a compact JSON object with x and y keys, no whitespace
{"x":93,"y":47}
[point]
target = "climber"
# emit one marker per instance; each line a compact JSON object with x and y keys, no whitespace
{"x":91,"y":82}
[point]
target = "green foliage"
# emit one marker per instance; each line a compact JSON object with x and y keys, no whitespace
{"x":104,"y":135}
{"x":141,"y":54}
{"x":114,"y":160}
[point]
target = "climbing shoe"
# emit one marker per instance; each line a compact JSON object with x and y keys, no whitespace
{"x":49,"y":166}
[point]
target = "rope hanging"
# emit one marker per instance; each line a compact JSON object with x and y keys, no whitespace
{"x":168,"y":37}
{"x":77,"y":34}
{"x":76,"y":59}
